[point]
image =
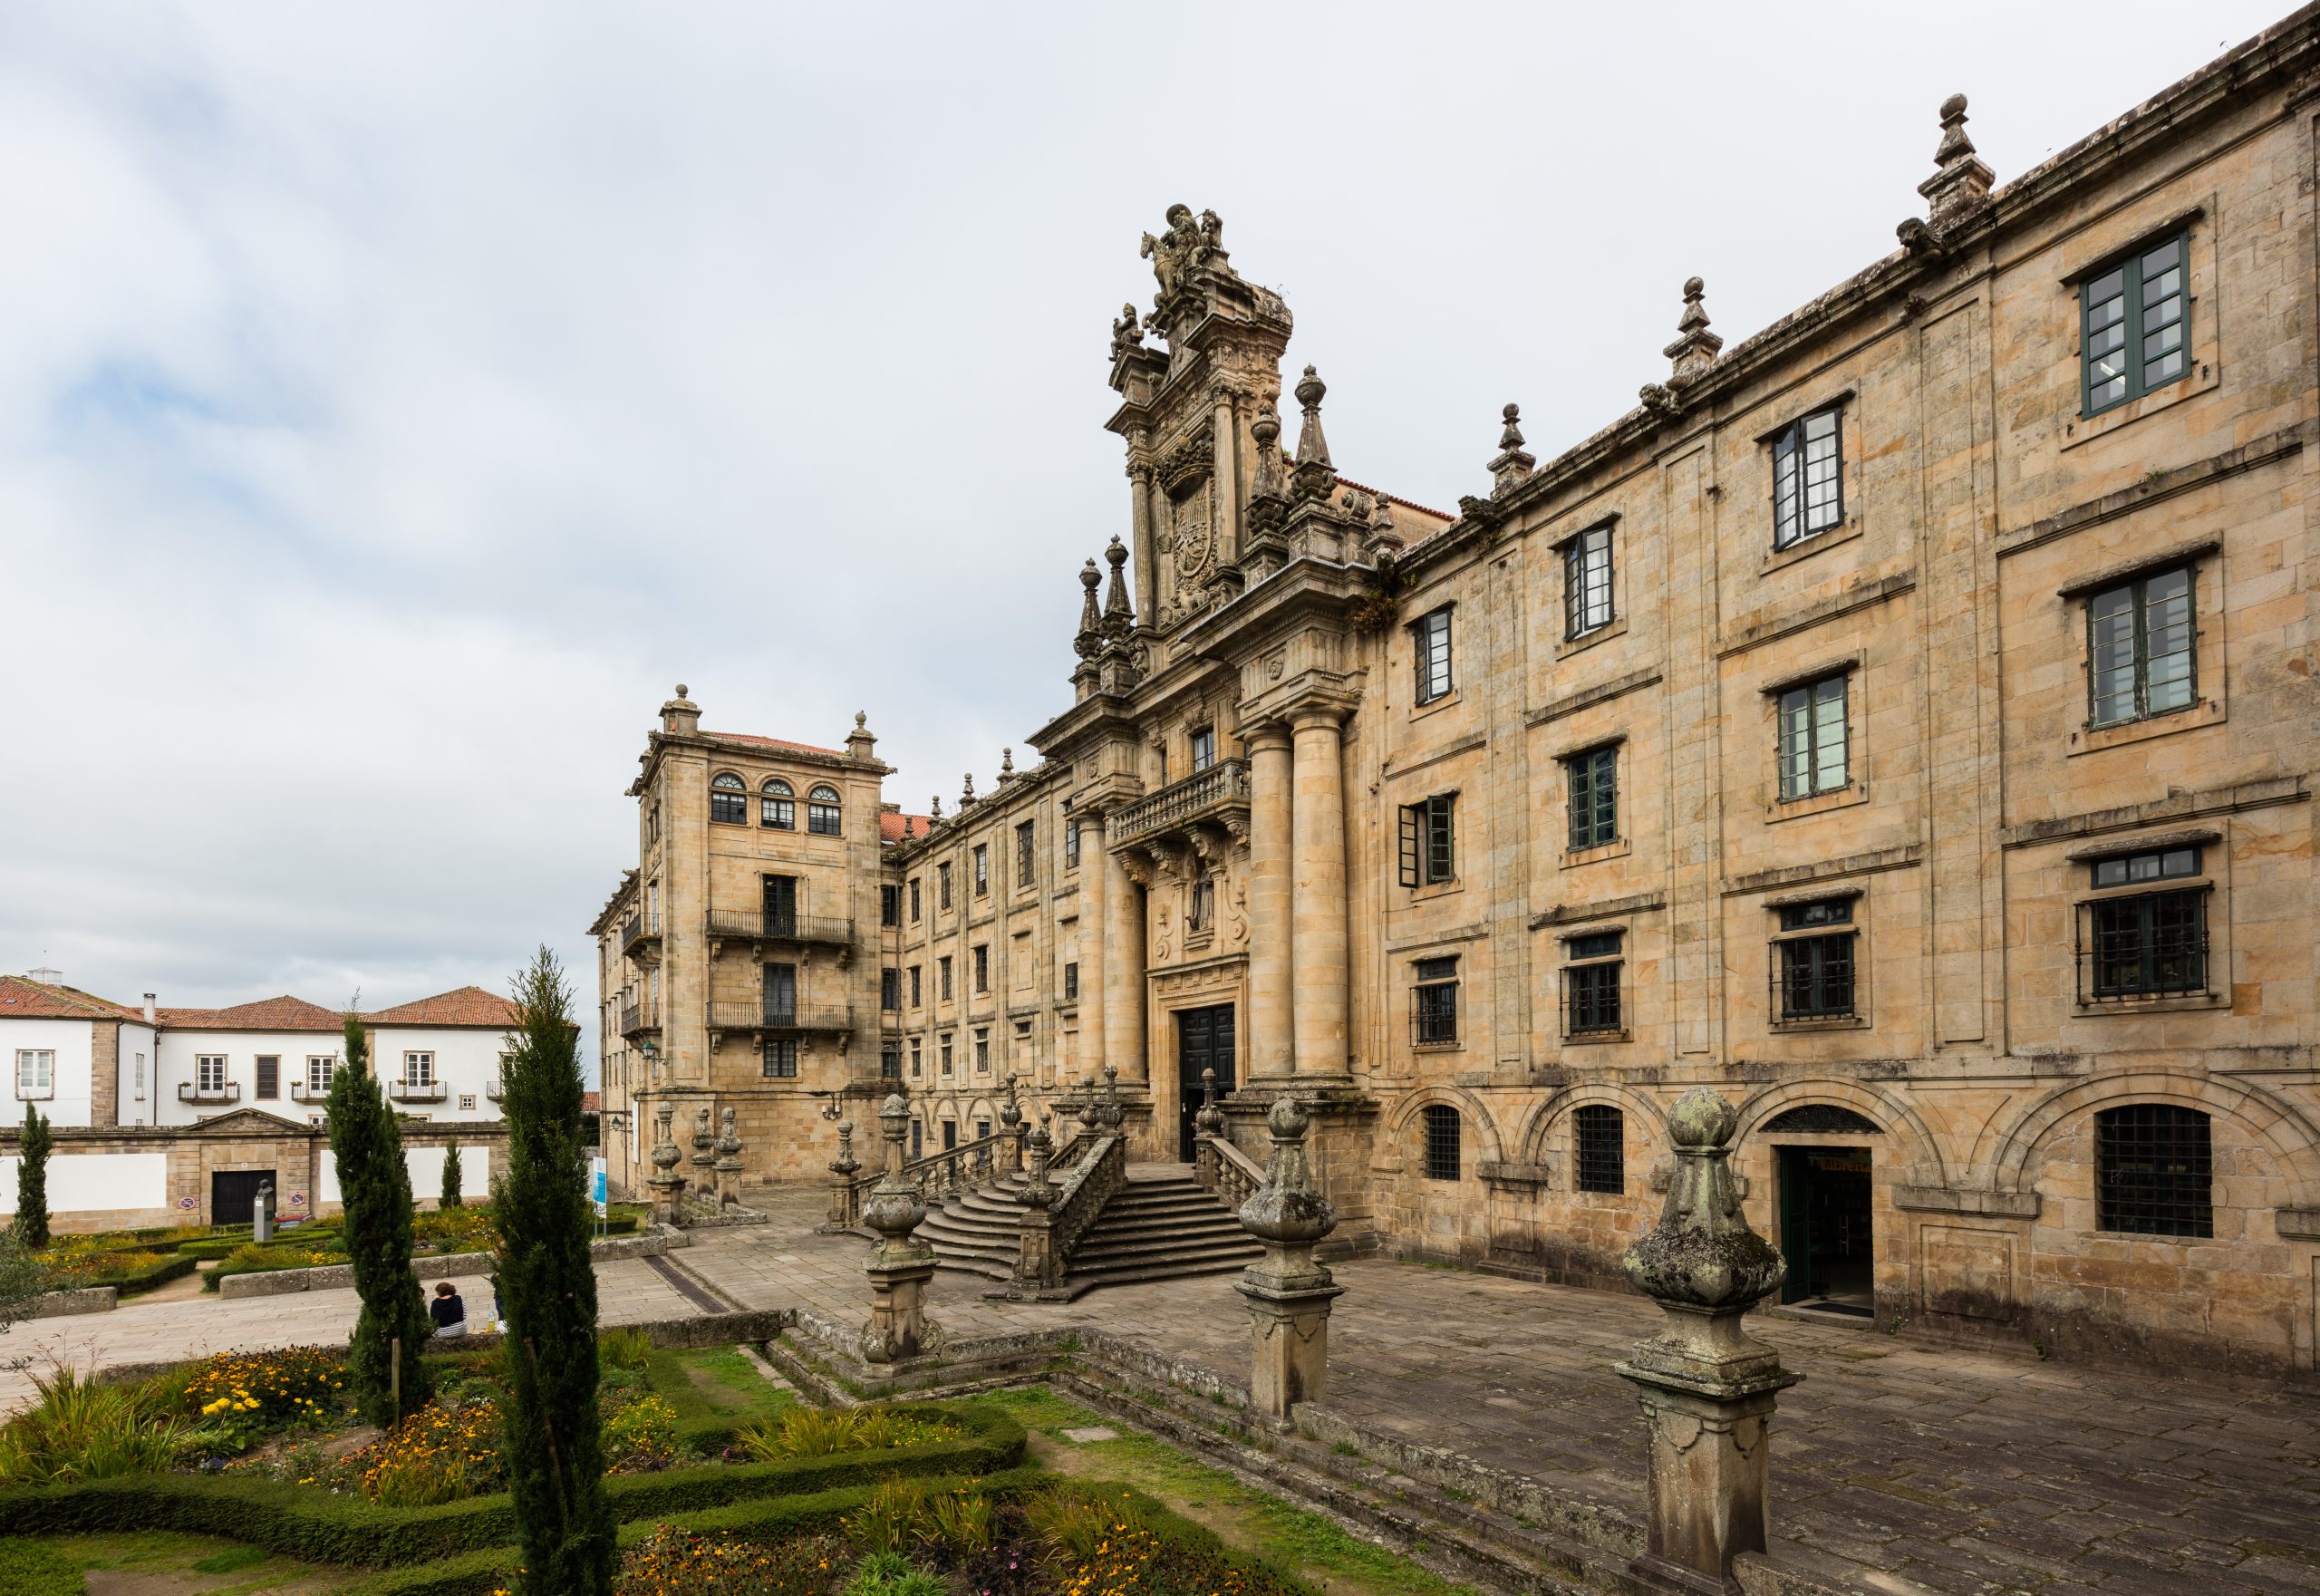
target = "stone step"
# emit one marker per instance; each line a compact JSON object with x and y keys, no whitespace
{"x":1105,"y":1233}
{"x":1125,"y":1255}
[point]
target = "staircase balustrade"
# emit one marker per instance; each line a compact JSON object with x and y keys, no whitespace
{"x":1228,"y":1172}
{"x":969,"y":1166}
{"x":1094,"y":1179}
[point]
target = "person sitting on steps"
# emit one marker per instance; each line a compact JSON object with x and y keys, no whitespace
{"x":448,"y":1312}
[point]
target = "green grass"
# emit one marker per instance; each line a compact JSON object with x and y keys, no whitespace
{"x":1312,"y":1544}
{"x":164,"y":1551}
{"x":715,"y":1383}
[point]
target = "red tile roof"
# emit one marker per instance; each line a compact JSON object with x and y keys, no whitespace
{"x":470,"y":1005}
{"x":282,"y":1013}
{"x":588,"y":1102}
{"x":750,"y":737}
{"x":894,"y":827}
{"x":34,"y":1000}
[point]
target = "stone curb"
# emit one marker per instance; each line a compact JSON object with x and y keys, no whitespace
{"x":328,"y":1277}
{"x":78,"y":1300}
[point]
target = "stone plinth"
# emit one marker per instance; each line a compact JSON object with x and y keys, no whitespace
{"x":1288,"y":1292}
{"x":900,"y":1263}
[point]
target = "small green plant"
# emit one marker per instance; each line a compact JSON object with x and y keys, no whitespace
{"x":627,"y":1347}
{"x":963,"y":1520}
{"x":1345,"y":1449}
{"x":32,"y":1179}
{"x":889,"y":1574}
{"x":81,"y":1430}
{"x":1075,"y":1522}
{"x":823,"y":1432}
{"x":895,"y":1519}
{"x":450,"y":1197}
{"x":641,"y":1435}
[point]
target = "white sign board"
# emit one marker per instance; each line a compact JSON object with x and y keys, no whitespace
{"x":597,"y":1184}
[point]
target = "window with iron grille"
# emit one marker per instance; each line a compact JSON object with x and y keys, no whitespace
{"x":1071,"y":844}
{"x":1813,"y":973}
{"x":1071,"y":981}
{"x":890,"y":1060}
{"x":781,"y":1058}
{"x":1591,"y":985}
{"x":778,"y":805}
{"x":890,"y":989}
{"x":917,"y":902}
{"x":821,"y":811}
{"x":1429,"y":848}
{"x":2140,"y":649}
{"x":1204,"y":748}
{"x":1432,"y":634}
{"x":1813,"y":738}
{"x":983,"y":967}
{"x":2147,"y":945}
{"x":269,"y":1076}
{"x":1024,"y":843}
{"x":943,"y":974}
{"x":1594,"y":780}
{"x":890,"y":905}
{"x":982,"y":869}
{"x":2132,"y":327}
{"x":1808,"y":479}
{"x":943,"y":885}
{"x":1434,"y":1003}
{"x":1586,"y":582}
{"x":728,"y":800}
{"x":1600,"y":1132}
{"x":2154,"y":1171}
{"x":1441,"y":1142}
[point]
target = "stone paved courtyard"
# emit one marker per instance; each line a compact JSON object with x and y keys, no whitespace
{"x":1931,"y":1469}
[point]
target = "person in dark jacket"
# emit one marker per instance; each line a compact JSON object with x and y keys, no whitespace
{"x":448,"y":1312}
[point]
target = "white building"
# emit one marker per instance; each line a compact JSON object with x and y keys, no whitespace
{"x":88,"y":1061}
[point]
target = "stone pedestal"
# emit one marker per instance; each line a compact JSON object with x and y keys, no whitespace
{"x":1037,"y":1266}
{"x":900,"y":1263}
{"x":1010,"y":1131}
{"x":1708,"y":1389}
{"x":668,"y":1186}
{"x":845,"y":1198}
{"x":728,"y":1165}
{"x":1288,"y":1292}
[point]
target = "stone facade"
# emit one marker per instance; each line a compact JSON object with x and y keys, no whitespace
{"x":1756,"y":742}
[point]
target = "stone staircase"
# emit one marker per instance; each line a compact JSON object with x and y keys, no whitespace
{"x":1160,"y":1226}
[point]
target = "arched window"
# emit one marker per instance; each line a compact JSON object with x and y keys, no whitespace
{"x":778,"y":805}
{"x":2154,"y":1171}
{"x":728,"y":800}
{"x":1825,"y":1118}
{"x":1599,"y":1138}
{"x":1441,"y":1142}
{"x":821,"y":811}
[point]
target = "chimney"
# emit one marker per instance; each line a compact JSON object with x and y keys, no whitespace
{"x":148,"y":1008}
{"x":680,"y":717}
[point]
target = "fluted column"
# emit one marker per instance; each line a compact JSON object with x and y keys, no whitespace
{"x":1095,"y":873}
{"x":1123,"y":971}
{"x":1147,"y":564}
{"x":1317,"y":917}
{"x":1272,"y":1039}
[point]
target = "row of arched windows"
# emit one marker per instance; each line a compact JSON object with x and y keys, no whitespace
{"x":729,"y":805}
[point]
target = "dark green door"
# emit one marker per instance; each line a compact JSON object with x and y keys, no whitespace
{"x":1795,"y":1234}
{"x":1826,"y":1228}
{"x":1204,"y":1041}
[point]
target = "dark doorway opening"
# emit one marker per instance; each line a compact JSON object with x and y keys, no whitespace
{"x":233,"y":1194}
{"x":1204,"y":1041}
{"x":1825,"y":1229}
{"x":781,"y":905}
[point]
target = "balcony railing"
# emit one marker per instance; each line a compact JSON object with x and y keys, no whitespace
{"x":639,"y":1017}
{"x":301,"y":1092}
{"x":780,"y":1016}
{"x":495,"y":1090}
{"x":640,"y":941}
{"x":748,"y":925}
{"x":194,"y":1092}
{"x":415,"y":1091}
{"x":1203,"y":795}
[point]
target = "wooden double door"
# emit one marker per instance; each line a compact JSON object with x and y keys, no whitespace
{"x":1204,"y":1041}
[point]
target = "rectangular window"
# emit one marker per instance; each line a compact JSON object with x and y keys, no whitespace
{"x":890,"y":1060}
{"x":2154,"y":1171}
{"x":982,"y":869}
{"x":1434,"y":1003}
{"x":140,"y":1075}
{"x":943,"y":983}
{"x":946,"y":1055}
{"x":2132,"y":327}
{"x":1815,"y":971}
{"x":318,"y":1073}
{"x":1586,"y":582}
{"x":890,"y":989}
{"x":2139,"y":648}
{"x":1429,"y":849}
{"x":1070,"y":982}
{"x":983,"y":1052}
{"x":1432,"y":634}
{"x":419,"y":1068}
{"x":822,"y":811}
{"x":269,"y":1077}
{"x":729,"y":805}
{"x":1808,"y":485}
{"x":917,"y":987}
{"x":1813,"y":738}
{"x":467,"y":1104}
{"x":1593,"y":778}
{"x":916,"y":902}
{"x":36,"y":1073}
{"x":778,"y":808}
{"x":781,"y":1058}
{"x":917,"y":1058}
{"x":1599,"y":1133}
{"x":209,"y":1073}
{"x":1025,"y":843}
{"x":1070,"y":843}
{"x":890,"y":905}
{"x":2150,"y":945}
{"x":2161,"y":865}
{"x":983,"y":967}
{"x":943,"y":885}
{"x":1591,"y":985}
{"x":1204,"y":749}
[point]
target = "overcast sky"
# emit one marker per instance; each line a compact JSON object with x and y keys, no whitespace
{"x":396,"y":401}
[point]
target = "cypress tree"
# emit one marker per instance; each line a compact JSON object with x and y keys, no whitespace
{"x":451,"y":1175}
{"x":374,"y":1190}
{"x":31,"y":1180}
{"x":539,"y":1209}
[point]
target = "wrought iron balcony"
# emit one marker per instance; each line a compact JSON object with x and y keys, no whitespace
{"x":640,"y":941}
{"x":302,"y":1092}
{"x":415,"y":1091}
{"x":640,"y":1018}
{"x":779,"y":1019}
{"x":748,"y":925}
{"x":194,"y":1092}
{"x":1214,"y":794}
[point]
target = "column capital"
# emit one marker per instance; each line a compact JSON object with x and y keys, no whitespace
{"x":1264,"y":734}
{"x":1319,"y":712}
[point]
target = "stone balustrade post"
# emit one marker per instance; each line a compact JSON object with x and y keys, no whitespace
{"x":1210,"y":1122}
{"x":1011,"y":1127}
{"x":1110,"y":1114}
{"x":1288,"y":1290}
{"x":1708,"y":1389}
{"x":845,"y":1198}
{"x":1037,"y":1266}
{"x":729,"y":1163}
{"x":704,"y":1150}
{"x":668,"y":1186}
{"x":900,"y":1263}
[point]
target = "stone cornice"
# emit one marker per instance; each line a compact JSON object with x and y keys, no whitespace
{"x":2179,"y":805}
{"x":1588,"y":697}
{"x":2155,"y":490}
{"x":658,"y":745}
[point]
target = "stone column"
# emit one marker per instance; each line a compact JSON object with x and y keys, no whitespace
{"x":1288,"y":1292}
{"x":1123,"y":971}
{"x":1319,"y":915}
{"x":1228,"y":497}
{"x":1709,"y":1389}
{"x":1140,"y":538}
{"x":1095,"y":874}
{"x":900,"y":1263}
{"x":1272,"y":1038}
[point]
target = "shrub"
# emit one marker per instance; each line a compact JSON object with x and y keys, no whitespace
{"x":627,"y":1347}
{"x":439,"y":1453}
{"x":894,"y":1518}
{"x":641,"y":1435}
{"x":962,"y":1520}
{"x":451,"y":1181}
{"x":671,"y":1561}
{"x":889,"y":1574}
{"x":239,"y":1397}
{"x":30,"y":1569}
{"x":32,"y":1179}
{"x":1073,"y":1522}
{"x":81,"y":1430}
{"x":823,"y":1432}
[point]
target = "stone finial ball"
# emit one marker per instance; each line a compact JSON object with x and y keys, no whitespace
{"x":1953,"y":106}
{"x":680,"y":690}
{"x":1702,"y":1119}
{"x":1513,"y":412}
{"x":1694,"y":287}
{"x":1288,"y":1120}
{"x":894,"y":1108}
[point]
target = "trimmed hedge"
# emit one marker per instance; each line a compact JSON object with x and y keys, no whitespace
{"x":161,"y":1274}
{"x":30,"y":1569}
{"x":300,"y":1522}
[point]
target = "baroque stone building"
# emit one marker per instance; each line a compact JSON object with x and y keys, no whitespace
{"x":1902,"y":720}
